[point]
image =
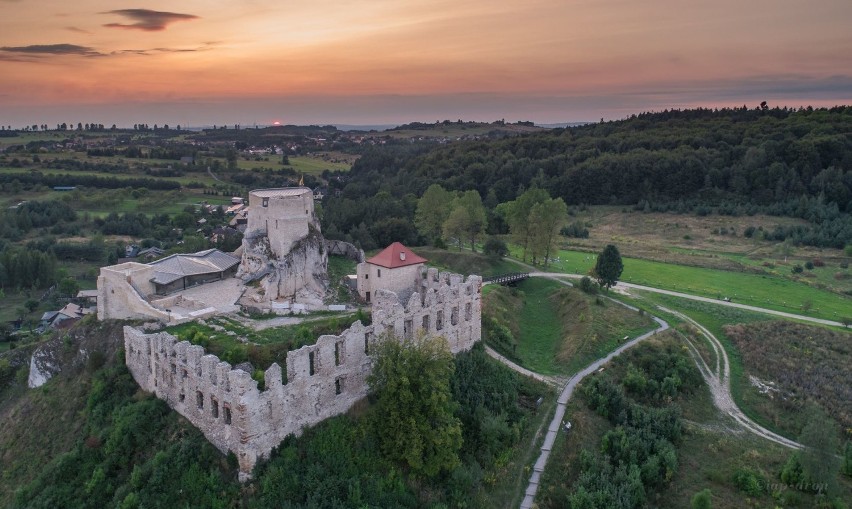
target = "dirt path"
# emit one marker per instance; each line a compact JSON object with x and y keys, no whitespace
{"x":719,"y":381}
{"x":565,"y":395}
{"x":623,"y":287}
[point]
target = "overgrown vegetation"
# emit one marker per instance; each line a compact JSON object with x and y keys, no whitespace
{"x":796,"y":367}
{"x":132,"y":451}
{"x":638,"y":456}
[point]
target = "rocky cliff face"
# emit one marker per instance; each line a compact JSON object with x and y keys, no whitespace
{"x":299,"y":277}
{"x":73,"y":350}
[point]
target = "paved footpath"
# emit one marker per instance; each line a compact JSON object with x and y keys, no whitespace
{"x":567,"y":392}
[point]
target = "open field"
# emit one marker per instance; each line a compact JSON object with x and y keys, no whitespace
{"x":687,"y":239}
{"x":763,"y":290}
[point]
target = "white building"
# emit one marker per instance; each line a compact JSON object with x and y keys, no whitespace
{"x":396,"y":268}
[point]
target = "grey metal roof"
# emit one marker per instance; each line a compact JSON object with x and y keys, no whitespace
{"x":283,"y":191}
{"x":176,"y":266}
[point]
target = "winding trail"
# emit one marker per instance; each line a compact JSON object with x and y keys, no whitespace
{"x":565,"y":395}
{"x":717,"y":379}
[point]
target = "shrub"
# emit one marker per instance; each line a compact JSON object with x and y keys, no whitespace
{"x":748,"y":481}
{"x":495,"y":247}
{"x":588,"y":286}
{"x":809,"y":265}
{"x":702,"y":499}
{"x":749,"y":232}
{"x":797,"y":269}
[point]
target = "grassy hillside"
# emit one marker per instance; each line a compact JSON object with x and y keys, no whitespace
{"x":554,"y":329}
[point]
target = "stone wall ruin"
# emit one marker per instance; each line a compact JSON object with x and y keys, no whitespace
{"x":323,"y":379}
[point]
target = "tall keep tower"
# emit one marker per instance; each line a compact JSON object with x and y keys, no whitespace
{"x":284,"y":250}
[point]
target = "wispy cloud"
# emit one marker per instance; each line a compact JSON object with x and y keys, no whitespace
{"x":52,"y":49}
{"x":77,"y":30}
{"x":148,"y":20}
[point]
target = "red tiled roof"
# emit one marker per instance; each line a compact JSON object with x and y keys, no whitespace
{"x":396,"y":255}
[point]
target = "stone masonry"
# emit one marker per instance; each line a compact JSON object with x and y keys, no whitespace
{"x":323,"y":379}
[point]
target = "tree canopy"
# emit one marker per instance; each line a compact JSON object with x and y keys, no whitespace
{"x":414,"y":417}
{"x":609,"y":266}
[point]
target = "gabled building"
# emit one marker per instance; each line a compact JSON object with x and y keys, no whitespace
{"x":182,"y":271}
{"x":395,"y":268}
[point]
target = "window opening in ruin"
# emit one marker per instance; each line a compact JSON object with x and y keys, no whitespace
{"x":426,"y":323}
{"x":454,"y":316}
{"x":366,"y":276}
{"x":227,"y":411}
{"x":199,"y":400}
{"x":368,"y":296}
{"x":198,"y":370}
{"x":338,"y":353}
{"x":265,"y":202}
{"x":185,"y":374}
{"x":407,"y":329}
{"x":276,"y":224}
{"x":311,"y":362}
{"x":435,"y":277}
{"x":174,"y":369}
{"x":439,"y":320}
{"x":367,"y":337}
{"x":181,"y":397}
{"x":306,"y":212}
{"x":379,"y":272}
{"x":467,"y":312}
{"x":214,"y":407}
{"x":338,"y":386}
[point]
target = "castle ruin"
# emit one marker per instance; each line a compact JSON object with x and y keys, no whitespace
{"x":322,"y":380}
{"x":283,"y":251}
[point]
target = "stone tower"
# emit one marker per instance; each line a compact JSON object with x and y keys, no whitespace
{"x":284,"y":250}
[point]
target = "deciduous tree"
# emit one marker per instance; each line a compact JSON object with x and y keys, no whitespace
{"x":414,"y":415}
{"x":433,"y":209}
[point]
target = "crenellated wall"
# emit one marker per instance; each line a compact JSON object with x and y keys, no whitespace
{"x":323,"y":379}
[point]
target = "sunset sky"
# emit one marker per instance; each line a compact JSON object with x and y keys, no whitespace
{"x":392,"y":61}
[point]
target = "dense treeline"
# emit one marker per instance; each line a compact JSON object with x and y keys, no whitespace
{"x":26,"y":268}
{"x":37,"y":178}
{"x":732,"y":160}
{"x":33,"y":214}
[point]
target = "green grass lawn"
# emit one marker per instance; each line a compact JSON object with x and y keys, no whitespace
{"x":772,"y":292}
{"x":308,"y":165}
{"x":540,"y":327}
{"x":557,"y":329}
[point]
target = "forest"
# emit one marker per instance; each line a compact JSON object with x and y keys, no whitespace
{"x":783,"y":162}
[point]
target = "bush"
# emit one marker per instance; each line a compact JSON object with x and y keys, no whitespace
{"x":748,"y":481}
{"x":809,"y":265}
{"x":702,"y":499}
{"x":797,"y":269}
{"x":588,"y":286}
{"x":495,"y":247}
